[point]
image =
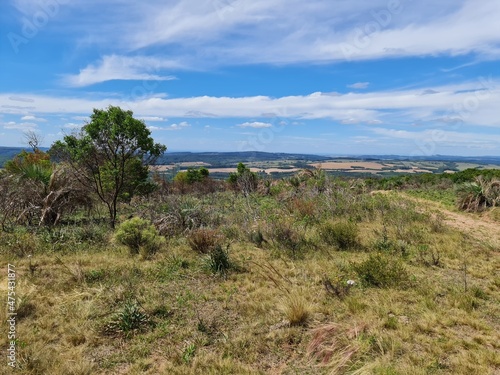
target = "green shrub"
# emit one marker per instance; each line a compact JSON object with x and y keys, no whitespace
{"x":257,"y":238}
{"x":287,"y":238}
{"x":383,"y":271}
{"x":218,"y":260}
{"x":343,"y":235}
{"x":140,"y":236}
{"x":478,"y":195}
{"x":129,"y":320}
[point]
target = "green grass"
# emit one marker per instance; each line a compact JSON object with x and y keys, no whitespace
{"x":445,"y":196}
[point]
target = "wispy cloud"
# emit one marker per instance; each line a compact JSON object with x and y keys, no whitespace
{"x":72,"y":125}
{"x":116,"y":67}
{"x":473,"y":103}
{"x":33,"y":118}
{"x":179,"y":126}
{"x":152,"y":118}
{"x":20,"y":126}
{"x":255,"y":125}
{"x":359,"y":85}
{"x":218,"y":32}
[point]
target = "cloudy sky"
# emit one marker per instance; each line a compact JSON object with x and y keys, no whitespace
{"x":319,"y":76}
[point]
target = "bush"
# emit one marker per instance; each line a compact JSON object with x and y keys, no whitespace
{"x":478,"y":195}
{"x":343,"y":235}
{"x":203,"y":240}
{"x":382,"y":271}
{"x":287,"y":238}
{"x":129,"y":320}
{"x":140,"y":236}
{"x":257,"y":238}
{"x":218,"y":260}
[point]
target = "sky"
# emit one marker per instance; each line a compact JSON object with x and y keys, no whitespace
{"x":337,"y":77}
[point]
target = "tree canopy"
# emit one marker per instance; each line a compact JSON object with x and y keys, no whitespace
{"x":110,"y":155}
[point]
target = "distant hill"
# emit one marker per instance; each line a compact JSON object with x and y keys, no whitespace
{"x":456,"y":159}
{"x":226,"y":159}
{"x":230,"y":159}
{"x":7,"y":153}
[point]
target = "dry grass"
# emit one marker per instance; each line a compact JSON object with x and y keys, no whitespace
{"x":274,"y":316}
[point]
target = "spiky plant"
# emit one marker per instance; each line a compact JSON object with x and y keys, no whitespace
{"x":478,"y":195}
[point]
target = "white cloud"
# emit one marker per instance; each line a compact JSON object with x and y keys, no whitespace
{"x":81,"y":118}
{"x":20,"y":126}
{"x":255,"y":125}
{"x":470,"y":103}
{"x":72,"y":125}
{"x":428,"y":141}
{"x":114,"y":67}
{"x":359,"y":85}
{"x":152,"y":118}
{"x":33,"y":118}
{"x":269,"y":31}
{"x":179,"y":126}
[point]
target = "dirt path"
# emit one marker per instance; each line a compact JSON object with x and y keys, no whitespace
{"x":478,"y":227}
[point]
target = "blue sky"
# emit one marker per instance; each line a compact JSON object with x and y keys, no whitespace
{"x":319,"y":76}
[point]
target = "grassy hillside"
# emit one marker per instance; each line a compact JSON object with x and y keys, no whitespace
{"x":310,"y":276}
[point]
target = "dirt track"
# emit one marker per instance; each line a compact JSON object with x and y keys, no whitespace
{"x":479,"y":227}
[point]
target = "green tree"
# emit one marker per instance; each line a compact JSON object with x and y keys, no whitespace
{"x":244,"y":179}
{"x":192,"y":175}
{"x":110,"y":155}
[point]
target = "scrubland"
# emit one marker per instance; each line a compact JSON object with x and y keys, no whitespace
{"x":308,"y":276}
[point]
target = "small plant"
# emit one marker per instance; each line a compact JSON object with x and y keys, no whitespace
{"x":129,"y":320}
{"x":189,"y":353}
{"x":343,"y":235}
{"x":203,"y":240}
{"x":478,"y":195}
{"x":287,"y":238}
{"x":338,"y":288}
{"x":93,"y":276}
{"x":218,"y":260}
{"x":257,"y":238}
{"x":296,"y":308}
{"x":140,"y":236}
{"x":382,"y":271}
{"x":391,"y":322}
{"x":429,"y":257}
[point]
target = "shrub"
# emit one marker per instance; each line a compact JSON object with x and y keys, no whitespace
{"x":343,"y":235}
{"x":478,"y":195}
{"x":287,"y":238}
{"x":339,"y":287}
{"x":257,"y":238}
{"x":304,"y":209}
{"x":218,"y":260}
{"x":129,"y":320}
{"x":382,"y":271}
{"x":204,"y":240}
{"x":140,"y":236}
